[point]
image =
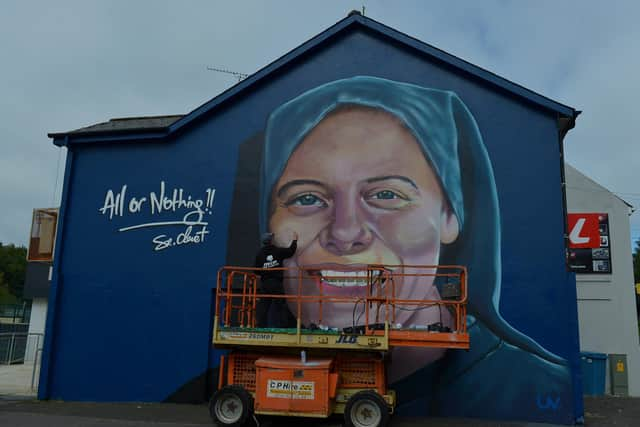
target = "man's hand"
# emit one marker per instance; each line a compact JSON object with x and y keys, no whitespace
{"x":295,"y":236}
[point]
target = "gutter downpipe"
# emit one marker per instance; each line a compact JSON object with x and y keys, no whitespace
{"x":574,"y":361}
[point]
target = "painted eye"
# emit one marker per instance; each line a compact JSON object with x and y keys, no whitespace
{"x":385,"y":195}
{"x":307,"y":199}
{"x":387,"y":199}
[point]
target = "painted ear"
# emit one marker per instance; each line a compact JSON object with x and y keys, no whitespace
{"x":449,"y":226}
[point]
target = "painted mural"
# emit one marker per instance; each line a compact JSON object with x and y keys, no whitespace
{"x":374,"y":171}
{"x":437,"y":163}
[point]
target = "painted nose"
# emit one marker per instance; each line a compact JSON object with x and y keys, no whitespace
{"x":347,"y":233}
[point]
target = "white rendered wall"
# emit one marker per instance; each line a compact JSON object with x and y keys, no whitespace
{"x":36,"y":328}
{"x":606,"y":302}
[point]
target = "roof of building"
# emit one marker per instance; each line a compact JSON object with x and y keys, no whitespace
{"x":569,"y":167}
{"x":129,"y":124}
{"x":162,"y":126}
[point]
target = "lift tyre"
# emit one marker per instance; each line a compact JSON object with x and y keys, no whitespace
{"x":231,"y":406}
{"x":366,"y":409}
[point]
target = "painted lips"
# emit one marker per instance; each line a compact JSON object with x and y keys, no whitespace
{"x":345,"y":283}
{"x":346,"y":279}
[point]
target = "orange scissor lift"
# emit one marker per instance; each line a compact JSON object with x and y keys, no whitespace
{"x":316,"y":371}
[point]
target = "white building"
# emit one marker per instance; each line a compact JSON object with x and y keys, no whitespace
{"x":606,"y":301}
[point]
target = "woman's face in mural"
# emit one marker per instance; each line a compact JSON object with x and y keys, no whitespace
{"x":358,"y":190}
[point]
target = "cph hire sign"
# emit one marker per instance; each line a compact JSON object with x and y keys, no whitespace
{"x":291,"y":389}
{"x":188,"y":225}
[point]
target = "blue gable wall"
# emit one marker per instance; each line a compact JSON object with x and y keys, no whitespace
{"x":133,"y":324}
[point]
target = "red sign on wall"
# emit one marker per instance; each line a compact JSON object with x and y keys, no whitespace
{"x":584,"y":230}
{"x":589,"y":249}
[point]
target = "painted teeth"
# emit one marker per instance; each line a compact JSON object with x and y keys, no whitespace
{"x":345,"y":279}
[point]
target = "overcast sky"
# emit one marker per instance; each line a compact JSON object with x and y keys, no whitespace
{"x":67,"y":64}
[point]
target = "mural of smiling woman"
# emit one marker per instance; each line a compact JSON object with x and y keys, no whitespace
{"x":374,"y":171}
{"x":383,"y":207}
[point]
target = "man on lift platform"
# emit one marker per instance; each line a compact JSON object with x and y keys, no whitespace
{"x":271,"y":257}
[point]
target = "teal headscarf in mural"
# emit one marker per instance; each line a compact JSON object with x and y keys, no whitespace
{"x":450,"y":139}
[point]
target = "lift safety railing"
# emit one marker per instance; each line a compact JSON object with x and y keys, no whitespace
{"x":386,"y":294}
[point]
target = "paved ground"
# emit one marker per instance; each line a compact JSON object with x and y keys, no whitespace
{"x":18,"y":409}
{"x":16,"y":379}
{"x":599,"y":412}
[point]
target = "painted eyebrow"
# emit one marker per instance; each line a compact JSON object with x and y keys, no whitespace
{"x":282,"y":190}
{"x":384,"y":178}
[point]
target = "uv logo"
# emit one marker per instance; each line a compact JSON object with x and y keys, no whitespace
{"x":547,"y":402}
{"x":347,"y":339}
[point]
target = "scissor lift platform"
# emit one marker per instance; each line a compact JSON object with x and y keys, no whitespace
{"x":235,"y":337}
{"x":237,"y":296}
{"x":338,"y":371}
{"x":297,"y":338}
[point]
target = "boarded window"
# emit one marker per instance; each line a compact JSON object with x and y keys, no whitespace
{"x":43,"y":235}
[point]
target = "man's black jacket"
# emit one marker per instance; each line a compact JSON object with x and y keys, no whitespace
{"x":271,"y":256}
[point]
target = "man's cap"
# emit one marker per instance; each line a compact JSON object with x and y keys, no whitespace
{"x":267,"y":237}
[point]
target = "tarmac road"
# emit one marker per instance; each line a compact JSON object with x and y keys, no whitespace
{"x":599,"y":412}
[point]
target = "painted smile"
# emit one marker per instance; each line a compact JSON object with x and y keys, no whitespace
{"x":346,"y":279}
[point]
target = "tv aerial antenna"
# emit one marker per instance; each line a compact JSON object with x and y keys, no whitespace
{"x":239,"y":76}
